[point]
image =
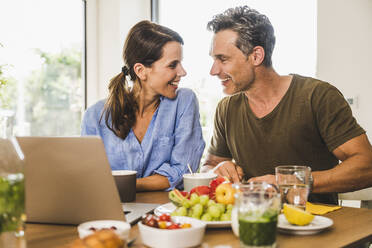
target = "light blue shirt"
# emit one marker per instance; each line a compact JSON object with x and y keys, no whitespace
{"x":172,"y":140}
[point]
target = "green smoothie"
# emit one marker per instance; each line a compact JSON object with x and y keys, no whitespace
{"x":258,"y":231}
{"x":12,"y":202}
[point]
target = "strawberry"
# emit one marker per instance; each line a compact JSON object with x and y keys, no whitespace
{"x":200,"y":190}
{"x":213,"y":185}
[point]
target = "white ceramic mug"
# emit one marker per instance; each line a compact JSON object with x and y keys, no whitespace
{"x":190,"y":181}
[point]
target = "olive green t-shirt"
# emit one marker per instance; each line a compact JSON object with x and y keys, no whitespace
{"x":310,"y":121}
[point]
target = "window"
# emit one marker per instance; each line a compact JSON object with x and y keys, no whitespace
{"x":41,"y":65}
{"x":295,"y":50}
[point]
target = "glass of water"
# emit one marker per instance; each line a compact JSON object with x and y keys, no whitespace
{"x":294,"y":184}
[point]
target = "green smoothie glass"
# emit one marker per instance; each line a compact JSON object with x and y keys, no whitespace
{"x":257,"y":206}
{"x":12,"y":190}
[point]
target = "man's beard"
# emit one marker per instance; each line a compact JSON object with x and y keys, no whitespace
{"x":240,"y":87}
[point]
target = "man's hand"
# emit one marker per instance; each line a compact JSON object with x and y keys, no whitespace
{"x":226,"y":168}
{"x":266,"y":178}
{"x":230,"y":170}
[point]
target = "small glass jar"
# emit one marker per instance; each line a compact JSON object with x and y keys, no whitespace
{"x":255,"y":214}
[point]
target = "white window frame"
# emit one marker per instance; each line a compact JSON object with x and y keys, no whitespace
{"x":107,"y":25}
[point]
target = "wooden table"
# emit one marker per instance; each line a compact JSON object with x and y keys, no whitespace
{"x":352,"y":227}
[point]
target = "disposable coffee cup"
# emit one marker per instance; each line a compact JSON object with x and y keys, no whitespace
{"x":190,"y":181}
{"x":125,"y":181}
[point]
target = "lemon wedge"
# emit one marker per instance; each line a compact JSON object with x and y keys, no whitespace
{"x":297,"y":216}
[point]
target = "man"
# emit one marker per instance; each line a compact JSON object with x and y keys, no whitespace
{"x":273,"y":120}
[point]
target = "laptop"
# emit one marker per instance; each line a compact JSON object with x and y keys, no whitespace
{"x":68,"y":180}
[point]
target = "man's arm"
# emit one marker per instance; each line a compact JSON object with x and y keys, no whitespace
{"x":227,"y":168}
{"x":355,"y":171}
{"x":335,"y":121}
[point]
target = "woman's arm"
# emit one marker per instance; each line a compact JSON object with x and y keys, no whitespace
{"x":152,"y":183}
{"x":188,"y":141}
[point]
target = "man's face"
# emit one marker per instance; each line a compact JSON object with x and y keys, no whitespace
{"x":230,"y":65}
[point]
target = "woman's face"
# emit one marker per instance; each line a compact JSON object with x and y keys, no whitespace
{"x":165,"y":74}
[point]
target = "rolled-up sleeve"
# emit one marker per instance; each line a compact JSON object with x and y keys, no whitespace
{"x":188,"y":141}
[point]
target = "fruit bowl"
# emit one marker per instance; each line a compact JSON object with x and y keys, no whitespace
{"x":164,"y":238}
{"x":121,"y":228}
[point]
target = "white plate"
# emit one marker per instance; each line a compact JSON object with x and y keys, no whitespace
{"x":170,"y":207}
{"x":318,"y":224}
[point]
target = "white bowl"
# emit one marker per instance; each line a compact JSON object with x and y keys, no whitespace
{"x":122,"y":228}
{"x":165,"y":238}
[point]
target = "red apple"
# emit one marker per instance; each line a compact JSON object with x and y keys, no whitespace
{"x":225,"y":193}
{"x":213,"y":185}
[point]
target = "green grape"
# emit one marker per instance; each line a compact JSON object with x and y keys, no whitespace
{"x":189,"y":212}
{"x":229,"y":215}
{"x":194,"y":199}
{"x":229,"y":207}
{"x":225,"y":217}
{"x":182,"y":211}
{"x":206,"y":217}
{"x":197,"y":211}
{"x":186,"y":203}
{"x":204,"y":200}
{"x":222,"y":207}
{"x":211,"y":202}
{"x":195,"y":216}
{"x":214,"y":211}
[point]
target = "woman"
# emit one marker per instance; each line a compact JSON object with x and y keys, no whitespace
{"x":152,"y":127}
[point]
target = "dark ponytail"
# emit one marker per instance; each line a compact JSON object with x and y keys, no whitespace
{"x":121,"y":106}
{"x":144,"y":44}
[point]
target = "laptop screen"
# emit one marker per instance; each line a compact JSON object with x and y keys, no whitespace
{"x":68,"y":180}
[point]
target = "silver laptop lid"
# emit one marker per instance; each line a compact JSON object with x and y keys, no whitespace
{"x":68,"y":180}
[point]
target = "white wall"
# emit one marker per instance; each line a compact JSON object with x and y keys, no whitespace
{"x":345,"y":52}
{"x":108,"y":24}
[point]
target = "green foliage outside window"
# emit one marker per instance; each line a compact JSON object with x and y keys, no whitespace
{"x":7,"y":88}
{"x":54,"y":94}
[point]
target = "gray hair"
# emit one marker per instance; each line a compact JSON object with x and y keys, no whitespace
{"x":253,"y":29}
